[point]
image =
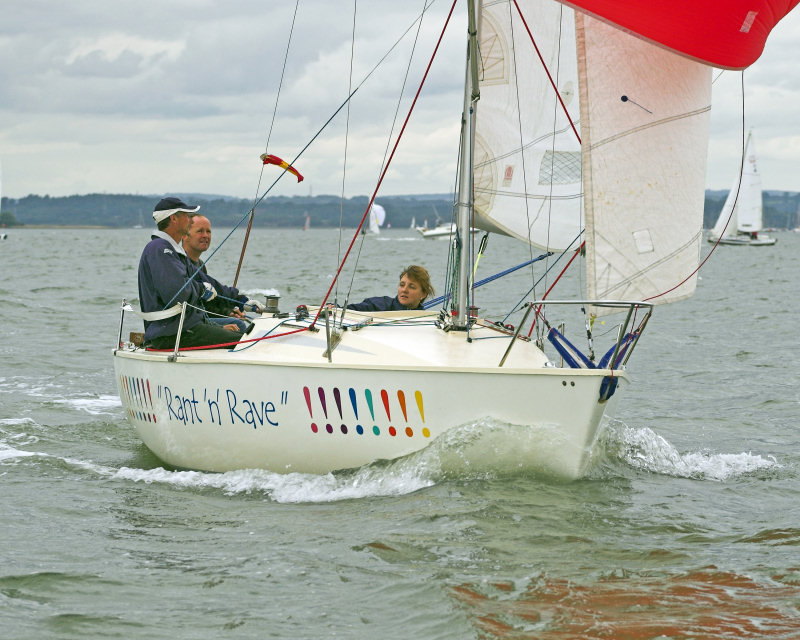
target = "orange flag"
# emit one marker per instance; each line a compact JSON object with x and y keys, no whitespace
{"x":270,"y":159}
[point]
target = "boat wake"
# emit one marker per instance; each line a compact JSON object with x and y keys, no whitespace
{"x":481,"y":449}
{"x":642,"y":448}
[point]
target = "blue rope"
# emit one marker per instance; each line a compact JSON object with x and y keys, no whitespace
{"x":480,"y":283}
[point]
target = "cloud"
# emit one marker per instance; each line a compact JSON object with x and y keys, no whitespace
{"x":179,"y":96}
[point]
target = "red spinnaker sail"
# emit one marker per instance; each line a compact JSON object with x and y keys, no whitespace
{"x":729,"y":34}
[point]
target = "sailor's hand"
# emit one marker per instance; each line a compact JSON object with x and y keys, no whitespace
{"x":254,"y":305}
{"x":236,"y":313}
{"x":209,"y":292}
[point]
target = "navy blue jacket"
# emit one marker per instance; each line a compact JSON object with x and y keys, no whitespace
{"x":380,"y":303}
{"x":162,"y":273}
{"x":218,"y":307}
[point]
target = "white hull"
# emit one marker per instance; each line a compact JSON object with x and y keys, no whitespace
{"x":761,"y":241}
{"x":440,"y":231}
{"x":280,"y":405}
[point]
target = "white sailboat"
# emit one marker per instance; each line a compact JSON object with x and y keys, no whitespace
{"x":327,"y":391}
{"x":377,"y":216}
{"x":441,"y":230}
{"x":740,"y":221}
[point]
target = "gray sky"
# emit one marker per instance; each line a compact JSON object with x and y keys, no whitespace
{"x":177,"y":96}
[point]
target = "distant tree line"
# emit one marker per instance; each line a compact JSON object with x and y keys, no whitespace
{"x":781,"y":210}
{"x":109,"y":210}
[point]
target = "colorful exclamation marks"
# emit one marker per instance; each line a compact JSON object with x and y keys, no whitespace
{"x":401,"y":398}
{"x":368,"y":396}
{"x":385,"y":400}
{"x":324,"y":403}
{"x":307,"y":396}
{"x":150,"y":397}
{"x":352,"y":393}
{"x":337,"y":396}
{"x":418,"y":397}
{"x":139,"y":392}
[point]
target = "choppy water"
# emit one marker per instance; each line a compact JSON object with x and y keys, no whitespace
{"x":687,"y":526}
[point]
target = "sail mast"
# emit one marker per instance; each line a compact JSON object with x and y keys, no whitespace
{"x":465,"y":194}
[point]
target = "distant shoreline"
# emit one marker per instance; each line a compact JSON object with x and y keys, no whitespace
{"x":59,"y":226}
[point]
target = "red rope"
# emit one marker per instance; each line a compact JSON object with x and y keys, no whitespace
{"x":231,"y":344}
{"x":550,"y":288}
{"x":363,"y":218}
{"x":386,"y":168}
{"x":547,"y":71}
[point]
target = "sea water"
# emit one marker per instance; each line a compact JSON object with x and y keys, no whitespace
{"x":686,"y":526}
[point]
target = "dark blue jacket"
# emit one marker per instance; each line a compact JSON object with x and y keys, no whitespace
{"x":219,"y":306}
{"x":162,"y":273}
{"x":380,"y":303}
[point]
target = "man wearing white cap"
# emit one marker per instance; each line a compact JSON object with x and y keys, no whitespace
{"x":166,"y":278}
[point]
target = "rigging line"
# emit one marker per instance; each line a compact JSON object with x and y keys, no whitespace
{"x":544,"y":275}
{"x":391,"y":156}
{"x":549,"y":77}
{"x":733,"y":208}
{"x":350,"y":97}
{"x":553,"y":139}
{"x":388,"y":141}
{"x":321,"y":129}
{"x":346,"y":140}
{"x":434,"y":301}
{"x":310,"y":142}
{"x":266,"y":146}
{"x":234,"y":344}
{"x":521,"y":142}
{"x":211,"y":255}
{"x":280,"y":83}
{"x":546,"y":293}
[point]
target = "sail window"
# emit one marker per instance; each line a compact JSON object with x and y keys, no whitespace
{"x":560,"y":167}
{"x":643,"y":241}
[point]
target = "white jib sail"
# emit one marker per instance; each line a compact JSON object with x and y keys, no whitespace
{"x":527,"y":164}
{"x":750,"y":200}
{"x":644,"y":129}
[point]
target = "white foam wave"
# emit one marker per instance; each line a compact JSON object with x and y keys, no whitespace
{"x":94,"y":406}
{"x":56,"y":393}
{"x":286,"y":488}
{"x":644,"y":449}
{"x":16,"y":421}
{"x":10,"y":453}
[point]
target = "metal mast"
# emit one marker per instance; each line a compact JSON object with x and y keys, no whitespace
{"x":465,"y":195}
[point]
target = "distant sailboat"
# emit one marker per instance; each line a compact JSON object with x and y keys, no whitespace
{"x":307,"y":224}
{"x":441,"y":230}
{"x":740,"y":221}
{"x":413,"y":222}
{"x":377,"y":216}
{"x":140,"y":224}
